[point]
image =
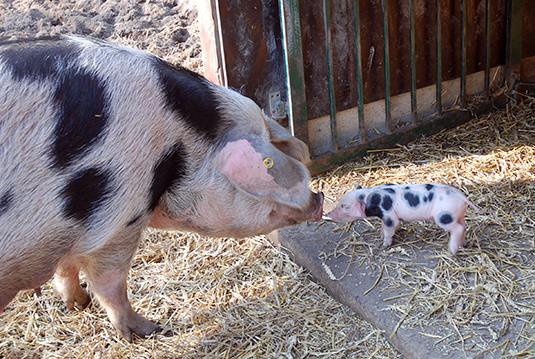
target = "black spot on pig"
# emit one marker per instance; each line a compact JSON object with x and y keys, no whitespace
{"x":85,"y":193}
{"x":389,"y":222}
{"x":190,"y":95}
{"x":412,"y":199}
{"x":390,"y":190}
{"x":429,"y":186}
{"x":387,"y":203}
{"x":170,"y":170}
{"x":445,"y":218}
{"x":431,"y":196}
{"x":5,"y":201}
{"x":82,"y":118}
{"x":38,"y":60}
{"x":360,"y":198}
{"x":372,"y":208}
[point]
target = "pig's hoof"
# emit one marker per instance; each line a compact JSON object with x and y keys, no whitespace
{"x":139,"y":326}
{"x":82,"y":301}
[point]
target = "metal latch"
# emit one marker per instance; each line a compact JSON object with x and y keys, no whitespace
{"x":278,"y":107}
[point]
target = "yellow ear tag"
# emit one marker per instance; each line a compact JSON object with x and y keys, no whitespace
{"x":268,"y":162}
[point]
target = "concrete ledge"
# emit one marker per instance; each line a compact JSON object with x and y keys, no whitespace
{"x":314,"y":247}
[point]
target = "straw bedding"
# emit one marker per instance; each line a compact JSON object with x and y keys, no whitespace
{"x":215,"y":298}
{"x":228,"y":298}
{"x":477,"y":294}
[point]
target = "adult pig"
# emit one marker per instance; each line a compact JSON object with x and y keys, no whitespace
{"x":433,"y":202}
{"x":99,"y":141}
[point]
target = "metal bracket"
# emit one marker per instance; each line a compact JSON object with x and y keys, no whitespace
{"x":278,"y":108}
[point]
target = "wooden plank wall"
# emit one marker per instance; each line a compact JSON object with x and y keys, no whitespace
{"x":372,"y":47}
{"x":251,"y":46}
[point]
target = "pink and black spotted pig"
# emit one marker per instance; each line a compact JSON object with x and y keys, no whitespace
{"x":433,"y":202}
{"x":99,"y":141}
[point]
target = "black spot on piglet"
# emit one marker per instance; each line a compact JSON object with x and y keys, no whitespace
{"x":445,"y":218}
{"x":429,"y":186}
{"x":372,"y":208}
{"x":387,"y":203}
{"x":389,"y":222}
{"x":412,"y":199}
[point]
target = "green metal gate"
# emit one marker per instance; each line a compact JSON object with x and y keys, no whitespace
{"x":366,"y":75}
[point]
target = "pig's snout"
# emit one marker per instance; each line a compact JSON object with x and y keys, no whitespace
{"x":316,"y":206}
{"x":312,"y":211}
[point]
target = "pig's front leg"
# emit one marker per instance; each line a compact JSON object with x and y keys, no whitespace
{"x":390,"y":224}
{"x":67,"y":284}
{"x":107,"y":271}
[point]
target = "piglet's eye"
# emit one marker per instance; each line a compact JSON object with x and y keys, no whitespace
{"x":345,"y":207}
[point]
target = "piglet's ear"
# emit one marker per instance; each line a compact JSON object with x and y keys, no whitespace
{"x":357,"y":186}
{"x":261,"y":170}
{"x":357,"y":210}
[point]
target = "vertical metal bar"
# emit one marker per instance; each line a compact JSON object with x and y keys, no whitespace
{"x":487,"y":49}
{"x":513,"y":42}
{"x":412,"y":46}
{"x":463,"y":53}
{"x":358,"y":69}
{"x":386,"y":66}
{"x":328,"y":54}
{"x":295,"y":73}
{"x":438,"y":35}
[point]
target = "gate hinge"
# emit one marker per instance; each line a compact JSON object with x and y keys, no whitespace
{"x":278,"y":108}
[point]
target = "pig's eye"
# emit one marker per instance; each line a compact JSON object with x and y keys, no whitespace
{"x":345,"y":207}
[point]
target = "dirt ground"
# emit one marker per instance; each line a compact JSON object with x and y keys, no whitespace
{"x":169,"y":29}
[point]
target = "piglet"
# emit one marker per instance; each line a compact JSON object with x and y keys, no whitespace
{"x":433,"y":202}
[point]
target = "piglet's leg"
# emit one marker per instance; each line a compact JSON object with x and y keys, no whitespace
{"x":67,"y":284}
{"x":389,"y":228}
{"x":107,"y":271}
{"x":458,"y":236}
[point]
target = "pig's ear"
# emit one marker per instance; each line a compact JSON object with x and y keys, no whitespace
{"x":287,"y":143}
{"x":357,"y":186}
{"x":261,"y":170}
{"x":357,"y":210}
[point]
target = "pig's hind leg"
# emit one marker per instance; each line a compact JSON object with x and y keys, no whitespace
{"x":107,"y":271}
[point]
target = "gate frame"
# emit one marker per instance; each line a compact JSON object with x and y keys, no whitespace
{"x":290,"y":81}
